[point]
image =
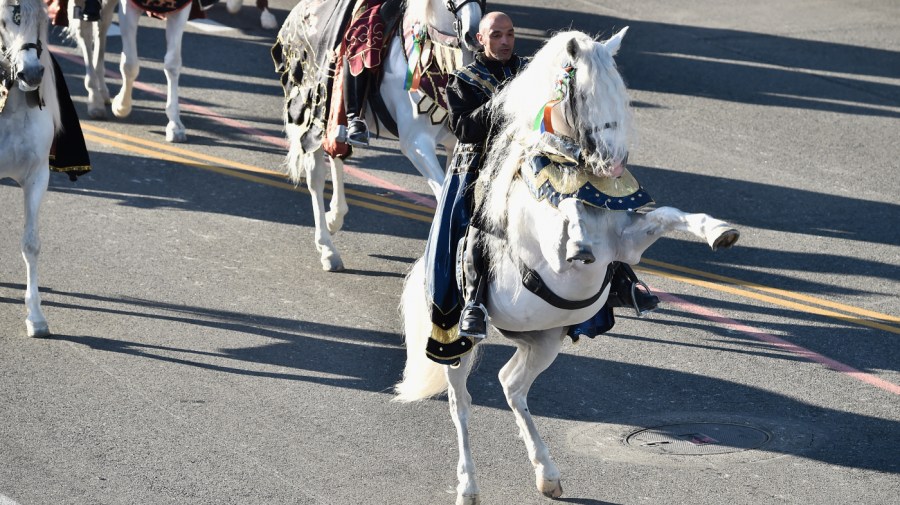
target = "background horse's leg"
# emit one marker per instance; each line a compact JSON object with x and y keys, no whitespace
{"x":99,"y":57}
{"x":314,"y":165}
{"x":460,"y":406}
{"x":87,"y":38}
{"x":646,"y":229}
{"x":337,"y":207}
{"x":418,"y":145}
{"x":266,"y":18}
{"x":234,"y":6}
{"x":536,"y":351}
{"x":34,"y":188}
{"x":130,"y":66}
{"x":175,"y":24}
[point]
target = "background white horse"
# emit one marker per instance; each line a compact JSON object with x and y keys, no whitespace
{"x":92,"y":41}
{"x":418,"y":135}
{"x":568,"y":245}
{"x":27,"y":126}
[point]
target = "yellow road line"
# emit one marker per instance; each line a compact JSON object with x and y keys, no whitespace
{"x":776,"y":291}
{"x":770,"y":299}
{"x":425,"y":214}
{"x":245,"y":176}
{"x":244,"y":167}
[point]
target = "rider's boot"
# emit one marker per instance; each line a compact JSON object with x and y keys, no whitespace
{"x":355,"y":93}
{"x":474,"y":318}
{"x":90,"y":12}
{"x":625,"y":291}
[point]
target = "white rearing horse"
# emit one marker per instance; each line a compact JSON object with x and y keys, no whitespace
{"x":418,"y":134}
{"x":92,"y":41}
{"x":28,"y":121}
{"x":565,"y":241}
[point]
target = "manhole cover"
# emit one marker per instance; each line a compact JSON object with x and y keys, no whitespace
{"x":698,"y":438}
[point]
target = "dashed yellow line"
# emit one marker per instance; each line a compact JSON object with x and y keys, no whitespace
{"x":425,"y":214}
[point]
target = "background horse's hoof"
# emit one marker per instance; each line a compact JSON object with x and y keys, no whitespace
{"x":726,"y":239}
{"x":234,"y":6}
{"x":267,"y":20}
{"x":97,"y":113}
{"x":37,"y":329}
{"x":467,"y":500}
{"x":119,"y":109}
{"x":176,"y":134}
{"x":332,"y":263}
{"x":549,"y":488}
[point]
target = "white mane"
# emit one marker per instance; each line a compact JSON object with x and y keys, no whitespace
{"x":595,"y":97}
{"x":420,"y":10}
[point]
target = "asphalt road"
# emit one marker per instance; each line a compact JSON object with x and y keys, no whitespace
{"x":200,"y":354}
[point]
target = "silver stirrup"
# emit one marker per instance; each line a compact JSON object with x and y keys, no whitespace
{"x":637,"y":310}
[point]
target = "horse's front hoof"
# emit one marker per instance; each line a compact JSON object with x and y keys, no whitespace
{"x":550,"y":488}
{"x":176,"y":135}
{"x":37,"y":330}
{"x":726,"y":239}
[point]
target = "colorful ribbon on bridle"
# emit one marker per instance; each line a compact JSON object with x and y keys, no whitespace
{"x":414,"y":69}
{"x":543,"y":122}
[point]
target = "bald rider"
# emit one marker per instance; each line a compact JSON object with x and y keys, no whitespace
{"x":458,"y":325}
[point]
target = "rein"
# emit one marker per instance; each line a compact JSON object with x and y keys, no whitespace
{"x":534,"y":283}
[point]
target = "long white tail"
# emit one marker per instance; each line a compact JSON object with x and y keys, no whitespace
{"x":298,"y":163}
{"x":422,"y":378}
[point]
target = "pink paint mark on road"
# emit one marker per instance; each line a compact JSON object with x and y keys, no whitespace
{"x":265,"y":137}
{"x":803,"y":352}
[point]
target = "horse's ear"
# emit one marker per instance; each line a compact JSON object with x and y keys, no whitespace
{"x":572,"y":48}
{"x":612,"y":45}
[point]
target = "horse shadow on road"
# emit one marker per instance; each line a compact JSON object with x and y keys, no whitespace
{"x":575,"y":388}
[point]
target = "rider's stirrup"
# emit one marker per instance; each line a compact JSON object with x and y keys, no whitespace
{"x":357,"y":133}
{"x":650,"y":301}
{"x":471,"y":326}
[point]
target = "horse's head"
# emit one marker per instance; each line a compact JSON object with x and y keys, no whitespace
{"x":468,"y":14}
{"x":456,"y":19}
{"x":573,"y":87}
{"x":23,"y":25}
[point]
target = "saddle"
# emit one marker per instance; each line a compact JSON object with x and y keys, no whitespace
{"x":317,"y":44}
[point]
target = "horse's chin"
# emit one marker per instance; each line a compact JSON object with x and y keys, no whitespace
{"x":25,"y":87}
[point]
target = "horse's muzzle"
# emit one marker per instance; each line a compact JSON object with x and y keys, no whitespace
{"x":29,"y":78}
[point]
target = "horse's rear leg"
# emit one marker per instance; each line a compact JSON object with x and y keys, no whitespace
{"x":130,"y":66}
{"x":175,"y":24}
{"x":337,"y":207}
{"x":314,"y":166}
{"x":34,"y":188}
{"x":460,"y":401}
{"x":536,"y":351}
{"x":93,"y":74}
{"x":646,"y":229}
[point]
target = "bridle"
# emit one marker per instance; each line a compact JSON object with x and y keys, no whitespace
{"x":454,"y":6}
{"x":7,"y":70}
